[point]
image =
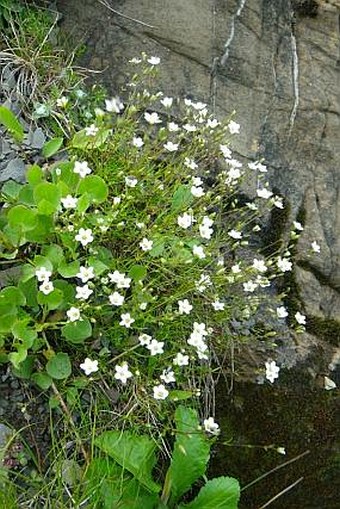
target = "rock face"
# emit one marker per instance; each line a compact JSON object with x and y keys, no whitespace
{"x":276,"y":63}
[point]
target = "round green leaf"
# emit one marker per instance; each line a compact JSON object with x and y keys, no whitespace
{"x":95,"y":187}
{"x":59,"y":367}
{"x":47,"y":197}
{"x":23,"y":218}
{"x":77,"y":332}
{"x":12,"y":295}
{"x":43,"y":380}
{"x":34,"y":175}
{"x":52,"y":146}
{"x":52,"y":300}
{"x":137,"y":272}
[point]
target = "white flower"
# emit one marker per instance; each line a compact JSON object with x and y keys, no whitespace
{"x":198,"y":192}
{"x":236,"y":269}
{"x":91,"y":130}
{"x":152,"y":118}
{"x":234,"y":234}
{"x":62,"y":101}
{"x":218,"y":305}
{"x":117,"y":200}
{"x":200,"y":328}
{"x":227,"y":154}
{"x":81,"y":168}
{"x":281,"y":450}
{"x":211,"y":426}
{"x":259,"y":265}
{"x":284,"y":264}
{"x":144,"y":339}
{"x":146,"y":244}
{"x":197,"y":181}
{"x":43,"y":274}
{"x":185,"y":220}
{"x":83,"y":292}
{"x":234,"y":163}
{"x":137,"y":142}
{"x":167,"y":102}
{"x":73,"y":314}
{"x":84,"y":236}
{"x":181,"y":360}
{"x":122,"y":372}
{"x":89,"y":366}
{"x":114,"y":105}
{"x":126,"y":320}
{"x":171,"y":147}
{"x":281,"y":312}
{"x":298,"y":226}
{"x":135,"y":60}
{"x":258,"y":166}
{"x":190,"y":163}
{"x":131,"y":181}
{"x":173,"y":127}
{"x":187,"y":102}
{"x":300,"y":318}
{"x":234,"y":127}
{"x":212,"y":123}
{"x":205,"y":231}
{"x":184,"y":307}
{"x":278,"y":202}
{"x":140,"y":226}
{"x":251,"y":206}
{"x":232,"y":175}
{"x":46,"y":287}
{"x":160,"y":392}
{"x":199,"y":252}
{"x":198,"y":106}
{"x":249,"y":286}
{"x":264,"y":193}
{"x":69,"y":202}
{"x":154,"y":60}
{"x":168,"y":376}
{"x":190,"y":128}
{"x":155,"y":347}
{"x":272,"y":371}
{"x":143,"y":306}
{"x":85,"y":274}
{"x":316,"y":247}
{"x":116,"y":299}
{"x":203,"y":282}
{"x":120,"y":279}
{"x":329,"y":384}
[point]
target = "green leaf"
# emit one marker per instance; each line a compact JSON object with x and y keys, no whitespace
{"x":219,"y":493}
{"x":8,"y":314}
{"x":12,"y":295}
{"x":190,"y":456}
{"x":43,"y":261}
{"x":52,"y":300}
{"x":134,"y":453}
{"x":34,"y":175}
{"x":158,"y":247}
{"x":26,"y":195}
{"x":43,"y":380}
{"x":95,"y":187}
{"x":47,"y":198}
{"x":137,"y":272}
{"x":98,"y":265}
{"x":22,"y":218}
{"x":59,"y":367}
{"x":24,"y":368}
{"x":77,"y":332}
{"x":182,"y":198}
{"x":16,"y":358}
{"x":69,"y":269}
{"x":11,"y":189}
{"x":54,"y":253}
{"x":84,"y":141}
{"x":9,"y":120}
{"x":83,"y":203}
{"x":177,"y":395}
{"x":29,"y":289}
{"x":21,"y":331}
{"x":51,"y":147}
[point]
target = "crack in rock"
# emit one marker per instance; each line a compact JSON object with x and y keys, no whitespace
{"x":232,"y":31}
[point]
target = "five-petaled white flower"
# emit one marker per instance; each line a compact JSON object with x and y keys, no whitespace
{"x":62,"y":101}
{"x":116,"y":299}
{"x":316,"y":247}
{"x":199,"y":252}
{"x":190,"y":128}
{"x":259,"y":265}
{"x":126,"y":320}
{"x":122,"y":373}
{"x":81,"y":168}
{"x":171,"y":147}
{"x":137,"y":142}
{"x":155,"y":347}
{"x":173,"y":127}
{"x":146,"y":244}
{"x":152,"y":118}
{"x":218,"y":305}
{"x":154,"y":60}
{"x":46,"y":287}
{"x":184,"y":307}
{"x":85,"y":274}
{"x":300,"y":318}
{"x":198,"y":192}
{"x":181,"y":359}
{"x":69,"y":202}
{"x":160,"y":392}
{"x":234,"y":127}
{"x":234,"y":234}
{"x":284,"y":264}
{"x":272,"y":371}
{"x":84,"y":236}
{"x":73,"y":314}
{"x":120,"y":279}
{"x":281,"y":312}
{"x":114,"y":105}
{"x":83,"y":292}
{"x":144,"y":339}
{"x":131,"y":181}
{"x":185,"y":220}
{"x":43,"y":274}
{"x":227,"y":154}
{"x":167,"y":102}
{"x":211,"y":426}
{"x":190,"y":163}
{"x":212,"y":123}
{"x":91,"y":130}
{"x":168,"y":376}
{"x":89,"y":366}
{"x":249,"y":286}
{"x":264,"y":193}
{"x":298,"y":226}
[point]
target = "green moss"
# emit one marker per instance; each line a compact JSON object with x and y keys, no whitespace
{"x":274,"y":233}
{"x":328,"y":329}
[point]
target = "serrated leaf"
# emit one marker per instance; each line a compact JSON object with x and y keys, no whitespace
{"x":51,"y":147}
{"x":9,"y":120}
{"x":134,"y":453}
{"x":190,"y":456}
{"x":24,"y":368}
{"x":219,"y":493}
{"x":182,"y":198}
{"x":77,"y":332}
{"x":59,"y":366}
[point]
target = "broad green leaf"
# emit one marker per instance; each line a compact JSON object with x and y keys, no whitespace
{"x":69,"y":269}
{"x":51,"y":147}
{"x":21,"y":331}
{"x":54,"y":254}
{"x":190,"y":456}
{"x":34,"y":175}
{"x":9,"y":120}
{"x":11,"y":189}
{"x":77,"y":332}
{"x":158,"y":247}
{"x":16,"y":358}
{"x":47,"y":198}
{"x":68,"y":292}
{"x":95,"y":187}
{"x":12,"y":295}
{"x":219,"y":493}
{"x":84,"y":141}
{"x":134,"y":453}
{"x":98,"y":265}
{"x":26,"y":195}
{"x":52,"y":300}
{"x":42,"y":231}
{"x":24,"y":368}
{"x":83,"y":203}
{"x":43,"y":261}
{"x":29,"y":289}
{"x":137,"y":272}
{"x":177,"y":395}
{"x":59,"y":367}
{"x":8,"y":315}
{"x":22,"y":218}
{"x":43,"y":380}
{"x":182,"y":198}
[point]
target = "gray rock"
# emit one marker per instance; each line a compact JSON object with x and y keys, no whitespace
{"x":14,"y":170}
{"x":38,"y":138}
